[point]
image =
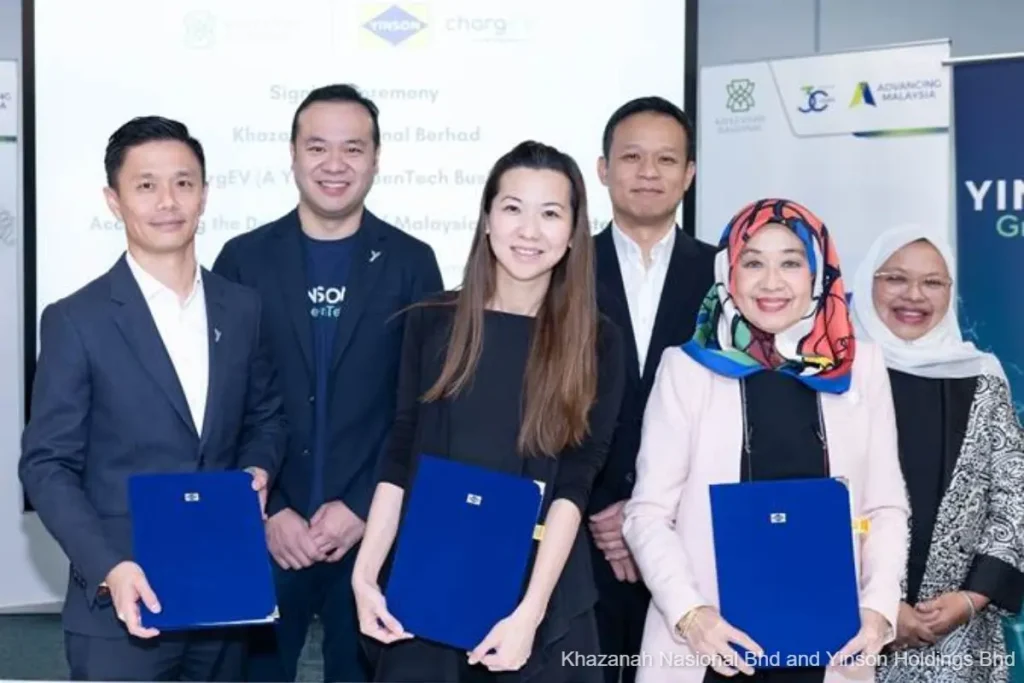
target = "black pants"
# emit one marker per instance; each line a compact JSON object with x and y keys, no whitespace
{"x":181,"y":656}
{"x":803,"y":675}
{"x":621,"y":611}
{"x":324,"y":590}
{"x":420,"y":661}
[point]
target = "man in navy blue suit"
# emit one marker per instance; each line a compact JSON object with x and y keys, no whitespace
{"x":333,"y":278}
{"x":155,"y":366}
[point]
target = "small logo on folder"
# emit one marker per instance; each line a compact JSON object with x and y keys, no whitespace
{"x":474,"y":499}
{"x":192,"y":497}
{"x":778,"y":518}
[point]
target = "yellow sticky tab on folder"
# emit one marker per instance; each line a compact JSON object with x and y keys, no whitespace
{"x":538,"y":532}
{"x":861,"y":525}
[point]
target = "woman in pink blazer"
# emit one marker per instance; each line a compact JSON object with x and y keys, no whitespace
{"x":772,"y":386}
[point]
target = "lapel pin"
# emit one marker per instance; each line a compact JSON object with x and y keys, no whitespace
{"x":216,"y":335}
{"x":374,"y":255}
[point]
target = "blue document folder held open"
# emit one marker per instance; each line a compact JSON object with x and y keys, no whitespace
{"x":784,"y":554}
{"x":462,"y":551}
{"x":199,"y":539}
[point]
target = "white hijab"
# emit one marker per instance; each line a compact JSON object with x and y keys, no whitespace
{"x":942,"y":352}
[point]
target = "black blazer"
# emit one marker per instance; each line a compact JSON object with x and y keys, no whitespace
{"x":691,"y":273}
{"x":107,"y":404}
{"x":424,"y":428}
{"x":390,"y":270}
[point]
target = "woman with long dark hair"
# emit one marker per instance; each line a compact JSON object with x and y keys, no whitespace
{"x":516,"y":372}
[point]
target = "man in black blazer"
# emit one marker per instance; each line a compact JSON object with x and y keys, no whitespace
{"x":333,"y":278}
{"x":652,"y":277}
{"x":155,"y":366}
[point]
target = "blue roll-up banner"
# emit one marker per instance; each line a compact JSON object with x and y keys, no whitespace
{"x":989,"y":140}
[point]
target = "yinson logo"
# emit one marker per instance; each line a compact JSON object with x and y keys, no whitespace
{"x":395,"y":25}
{"x":326,"y":301}
{"x":1003,"y":197}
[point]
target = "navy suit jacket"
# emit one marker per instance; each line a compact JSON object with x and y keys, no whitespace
{"x":390,"y":270}
{"x":691,"y":273}
{"x":107,"y":404}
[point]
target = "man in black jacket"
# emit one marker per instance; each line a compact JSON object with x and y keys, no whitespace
{"x":652,"y":277}
{"x":332,"y":277}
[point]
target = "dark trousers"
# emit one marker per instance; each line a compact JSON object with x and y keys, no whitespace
{"x":182,"y":656}
{"x":420,"y":661}
{"x":803,"y":675}
{"x":323,"y":590}
{"x":621,"y":611}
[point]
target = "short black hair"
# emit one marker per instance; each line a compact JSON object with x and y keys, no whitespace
{"x":141,"y":130}
{"x":649,"y":105}
{"x":341,"y":92}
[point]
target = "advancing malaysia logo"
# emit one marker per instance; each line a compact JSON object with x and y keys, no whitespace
{"x":395,"y":25}
{"x":862,"y":95}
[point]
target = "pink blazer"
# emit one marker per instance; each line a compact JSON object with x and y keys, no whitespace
{"x":692,"y":437}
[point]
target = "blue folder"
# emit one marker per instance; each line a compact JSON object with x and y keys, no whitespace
{"x":784,"y":554}
{"x":199,"y":539}
{"x":462,"y":551}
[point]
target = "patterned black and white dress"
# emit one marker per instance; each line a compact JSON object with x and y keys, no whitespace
{"x":962,"y":454}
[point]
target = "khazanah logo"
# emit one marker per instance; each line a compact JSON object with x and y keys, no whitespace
{"x":862,"y":95}
{"x":200,"y":29}
{"x":6,"y":100}
{"x":739,"y":95}
{"x":7,"y":236}
{"x":396,"y":24}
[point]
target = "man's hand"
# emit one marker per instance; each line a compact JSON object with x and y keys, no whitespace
{"x":260,"y":479}
{"x":290,"y":541}
{"x":606,"y":529}
{"x":127,"y":585}
{"x":335,"y":529}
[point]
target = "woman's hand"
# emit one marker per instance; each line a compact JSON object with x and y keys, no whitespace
{"x":709,"y":635}
{"x":508,"y":645}
{"x":911,"y":631}
{"x":948,"y":611}
{"x":874,"y":629}
{"x":374,"y":619}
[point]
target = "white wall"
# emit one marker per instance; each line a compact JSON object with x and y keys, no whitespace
{"x":744,"y":30}
{"x":25,"y":543}
{"x":729,"y":31}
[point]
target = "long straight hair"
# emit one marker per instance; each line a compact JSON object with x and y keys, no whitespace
{"x":560,"y":384}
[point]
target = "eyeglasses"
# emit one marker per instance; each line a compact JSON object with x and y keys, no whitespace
{"x":899,"y":283}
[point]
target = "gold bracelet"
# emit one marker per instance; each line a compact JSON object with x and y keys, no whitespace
{"x":684,"y":624}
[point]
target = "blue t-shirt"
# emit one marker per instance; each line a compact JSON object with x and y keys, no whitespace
{"x":327,"y":266}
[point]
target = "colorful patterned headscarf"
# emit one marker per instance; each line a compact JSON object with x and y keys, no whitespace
{"x":818,"y":349}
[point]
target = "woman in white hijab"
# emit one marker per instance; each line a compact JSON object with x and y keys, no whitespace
{"x":962,"y":455}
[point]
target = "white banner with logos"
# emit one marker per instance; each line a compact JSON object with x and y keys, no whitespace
{"x":34,"y":571}
{"x":860,"y":138}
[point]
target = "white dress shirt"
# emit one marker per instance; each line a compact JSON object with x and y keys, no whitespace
{"x":183,"y":329}
{"x":643,"y":283}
